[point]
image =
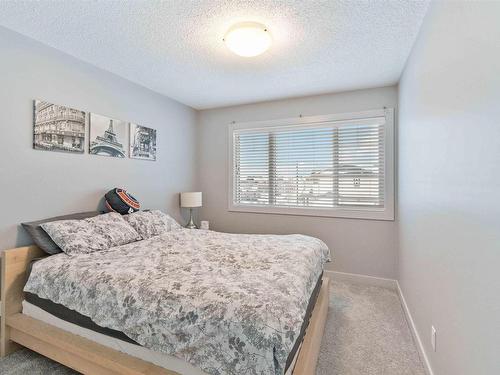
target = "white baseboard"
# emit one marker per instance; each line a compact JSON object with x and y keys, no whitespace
{"x":414,"y":332}
{"x":362,"y":279}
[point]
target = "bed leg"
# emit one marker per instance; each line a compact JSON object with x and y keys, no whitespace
{"x":6,"y":346}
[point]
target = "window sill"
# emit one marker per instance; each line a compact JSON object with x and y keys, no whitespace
{"x":360,"y":213}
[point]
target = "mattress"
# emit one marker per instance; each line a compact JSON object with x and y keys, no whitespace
{"x":226,"y":303}
{"x":160,"y":359}
{"x":70,"y":320}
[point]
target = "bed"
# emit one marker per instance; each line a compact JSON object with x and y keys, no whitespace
{"x":186,"y":302}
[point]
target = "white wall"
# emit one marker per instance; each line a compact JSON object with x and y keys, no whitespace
{"x":449,"y":186}
{"x":359,"y":246}
{"x":38,"y":184}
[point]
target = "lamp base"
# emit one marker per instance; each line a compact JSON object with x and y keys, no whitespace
{"x":191,"y":224}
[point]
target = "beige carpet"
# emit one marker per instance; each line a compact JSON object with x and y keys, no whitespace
{"x":366,"y":334}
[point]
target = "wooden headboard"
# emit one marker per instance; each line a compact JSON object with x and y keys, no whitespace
{"x":15,"y":263}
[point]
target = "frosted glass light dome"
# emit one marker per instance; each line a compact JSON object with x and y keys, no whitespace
{"x":248,"y":39}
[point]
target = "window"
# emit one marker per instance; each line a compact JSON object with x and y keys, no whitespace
{"x":338,"y":165}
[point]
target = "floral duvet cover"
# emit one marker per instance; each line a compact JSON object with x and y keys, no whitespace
{"x":226,"y":303}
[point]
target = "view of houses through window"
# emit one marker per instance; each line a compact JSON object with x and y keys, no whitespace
{"x":327,"y":166}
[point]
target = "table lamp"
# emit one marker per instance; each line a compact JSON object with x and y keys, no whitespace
{"x":191,"y":200}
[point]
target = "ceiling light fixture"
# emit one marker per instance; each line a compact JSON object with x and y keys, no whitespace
{"x":248,"y":39}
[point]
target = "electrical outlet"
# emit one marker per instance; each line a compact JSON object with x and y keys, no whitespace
{"x":433,"y":338}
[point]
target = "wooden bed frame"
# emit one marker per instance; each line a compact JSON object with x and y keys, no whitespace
{"x":89,"y":357}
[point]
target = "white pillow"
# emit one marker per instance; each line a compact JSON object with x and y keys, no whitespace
{"x":151,"y":223}
{"x":94,"y":234}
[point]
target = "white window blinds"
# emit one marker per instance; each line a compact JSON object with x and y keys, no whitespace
{"x":323,"y":165}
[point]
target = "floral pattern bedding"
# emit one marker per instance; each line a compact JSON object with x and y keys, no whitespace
{"x":226,"y":303}
{"x":97,"y":233}
{"x":151,"y":223}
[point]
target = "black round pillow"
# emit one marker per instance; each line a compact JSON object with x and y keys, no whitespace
{"x":118,"y":200}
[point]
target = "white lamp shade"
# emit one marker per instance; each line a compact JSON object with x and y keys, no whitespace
{"x":191,"y":199}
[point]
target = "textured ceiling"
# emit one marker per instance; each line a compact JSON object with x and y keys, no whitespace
{"x":175,"y":47}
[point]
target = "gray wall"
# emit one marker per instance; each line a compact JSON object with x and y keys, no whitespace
{"x":449,"y":185}
{"x":37,"y":184}
{"x":359,"y":246}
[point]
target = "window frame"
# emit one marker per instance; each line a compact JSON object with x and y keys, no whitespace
{"x":386,"y":213}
